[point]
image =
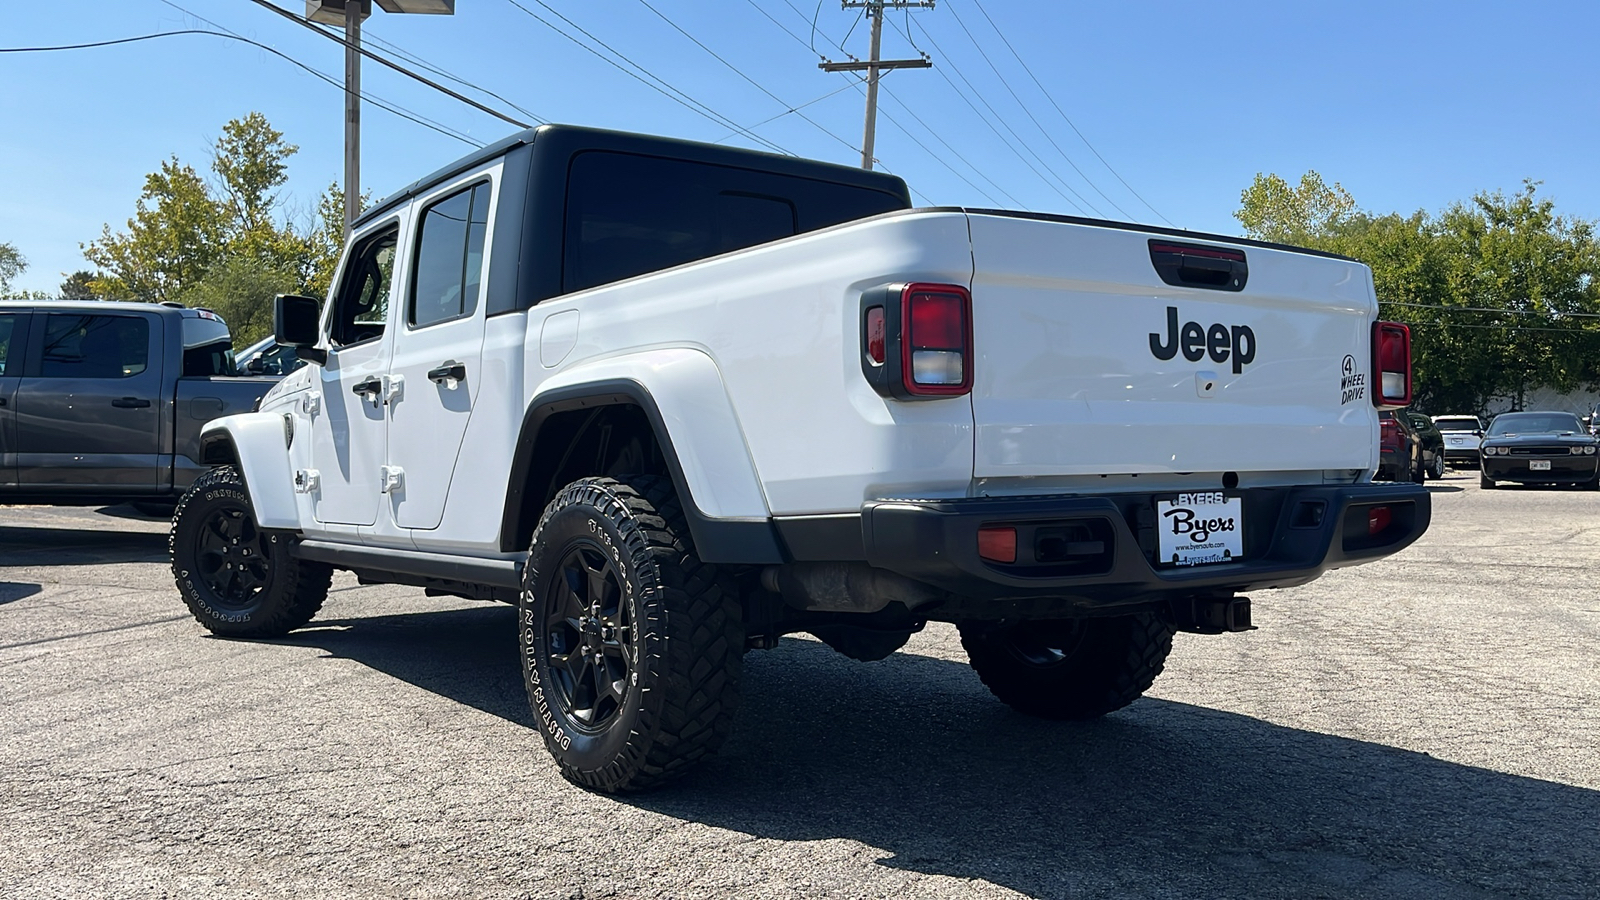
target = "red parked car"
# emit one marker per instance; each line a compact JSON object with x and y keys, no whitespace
{"x":1399,"y":450}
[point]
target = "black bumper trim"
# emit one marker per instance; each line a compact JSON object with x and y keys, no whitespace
{"x":935,"y":542}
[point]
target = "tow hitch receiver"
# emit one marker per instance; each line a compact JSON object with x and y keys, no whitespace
{"x":1212,"y":615}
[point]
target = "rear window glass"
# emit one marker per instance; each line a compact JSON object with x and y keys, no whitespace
{"x":1444,"y":424}
{"x":628,"y":214}
{"x":207,"y":328}
{"x":95,"y":346}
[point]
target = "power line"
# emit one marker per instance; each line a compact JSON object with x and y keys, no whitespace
{"x":1490,"y":309}
{"x":1078,"y":204}
{"x":1029,"y":113}
{"x":940,"y":139}
{"x":377,"y":101}
{"x":442,"y":73}
{"x":1065,"y":117}
{"x":666,"y":89}
{"x":840,"y":89}
{"x":265,"y":4}
{"x":741,"y":74}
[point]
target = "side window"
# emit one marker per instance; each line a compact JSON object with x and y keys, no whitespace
{"x":444,"y":283}
{"x":95,"y":346}
{"x":8,"y":327}
{"x":362,"y":305}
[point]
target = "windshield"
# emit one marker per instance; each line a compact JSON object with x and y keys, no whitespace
{"x":1458,"y":423}
{"x":1535,"y":423}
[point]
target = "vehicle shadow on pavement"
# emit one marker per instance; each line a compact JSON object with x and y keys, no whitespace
{"x":11,"y":591}
{"x":912,"y":757}
{"x":1445,"y":488}
{"x":24,"y":546}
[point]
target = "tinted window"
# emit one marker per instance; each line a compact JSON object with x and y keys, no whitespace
{"x":628,"y":215}
{"x":1535,"y":423}
{"x":450,"y":257}
{"x":8,"y":327}
{"x":1457,"y":424}
{"x":95,"y":346}
{"x":363,"y":300}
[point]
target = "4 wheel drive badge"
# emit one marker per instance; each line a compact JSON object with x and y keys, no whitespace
{"x":1352,"y":384}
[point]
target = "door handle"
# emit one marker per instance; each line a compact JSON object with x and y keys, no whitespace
{"x":373,"y":386}
{"x":130,"y":403}
{"x":2,"y":401}
{"x":449,"y":370}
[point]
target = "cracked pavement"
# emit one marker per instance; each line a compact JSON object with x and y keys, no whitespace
{"x":1425,"y":726}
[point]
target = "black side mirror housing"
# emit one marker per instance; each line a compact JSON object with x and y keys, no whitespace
{"x":256,"y":366}
{"x":294,"y":324}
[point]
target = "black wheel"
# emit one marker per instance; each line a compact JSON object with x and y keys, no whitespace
{"x":1486,"y":482}
{"x":1437,"y":471}
{"x":1070,"y":669}
{"x":631,"y":647}
{"x":238,"y":580}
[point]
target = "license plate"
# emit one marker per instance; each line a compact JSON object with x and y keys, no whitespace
{"x":1200,"y":528}
{"x":1538,"y":465}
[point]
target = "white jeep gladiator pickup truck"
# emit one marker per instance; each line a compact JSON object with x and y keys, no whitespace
{"x":677,"y":400}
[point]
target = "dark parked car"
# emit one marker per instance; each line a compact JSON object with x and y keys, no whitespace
{"x":1433,"y":448}
{"x":1399,"y":449}
{"x":1540,"y":448}
{"x":103,"y":402}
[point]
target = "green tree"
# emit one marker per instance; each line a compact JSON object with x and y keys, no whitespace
{"x":12,"y":264}
{"x":229,"y":244}
{"x":79,"y":286}
{"x":1271,"y":210}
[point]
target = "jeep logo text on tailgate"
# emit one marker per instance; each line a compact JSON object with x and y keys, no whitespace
{"x":1196,"y":341}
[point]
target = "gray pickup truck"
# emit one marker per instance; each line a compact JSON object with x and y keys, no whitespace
{"x":103,"y":402}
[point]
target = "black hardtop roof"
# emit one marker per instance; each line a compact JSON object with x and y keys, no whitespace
{"x":108,"y":306}
{"x":579,"y":137}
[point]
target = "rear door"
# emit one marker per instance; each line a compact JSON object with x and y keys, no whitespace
{"x":13,"y":340}
{"x":438,"y":348}
{"x":88,"y":409}
{"x":1108,"y":351}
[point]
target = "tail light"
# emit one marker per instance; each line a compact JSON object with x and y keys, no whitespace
{"x":916,"y":340}
{"x":1378,"y":518}
{"x":1391,"y":365}
{"x":1389,"y":434}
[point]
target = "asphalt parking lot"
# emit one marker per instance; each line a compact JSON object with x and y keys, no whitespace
{"x":1428,"y":726}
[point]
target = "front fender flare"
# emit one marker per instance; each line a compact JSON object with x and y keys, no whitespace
{"x":257,"y":444}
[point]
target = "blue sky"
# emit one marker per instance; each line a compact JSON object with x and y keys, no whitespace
{"x":1410,"y":105}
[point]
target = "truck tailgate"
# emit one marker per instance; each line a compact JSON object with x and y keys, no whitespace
{"x":1071,"y":322}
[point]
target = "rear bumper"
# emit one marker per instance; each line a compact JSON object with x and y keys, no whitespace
{"x":1563,"y":470}
{"x":1291,"y":536}
{"x":1454,"y":454}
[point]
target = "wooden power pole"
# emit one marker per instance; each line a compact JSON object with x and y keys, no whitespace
{"x":874,"y":10}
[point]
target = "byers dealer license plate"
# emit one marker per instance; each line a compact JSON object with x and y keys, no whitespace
{"x":1200,"y":528}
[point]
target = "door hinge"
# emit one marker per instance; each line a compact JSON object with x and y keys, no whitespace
{"x":393,"y":478}
{"x":306,"y":481}
{"x":393,"y":388}
{"x":311,"y":403}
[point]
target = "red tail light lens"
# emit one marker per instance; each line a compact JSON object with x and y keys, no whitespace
{"x":1391,"y":365}
{"x":936,"y":350}
{"x":1378,"y":518}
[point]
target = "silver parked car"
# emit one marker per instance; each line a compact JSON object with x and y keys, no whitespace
{"x":1462,"y":435}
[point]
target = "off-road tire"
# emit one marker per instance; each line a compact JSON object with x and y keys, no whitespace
{"x":676,"y":625}
{"x":1103,"y":665}
{"x":1486,"y":482}
{"x":213,"y":528}
{"x":1437,"y":471}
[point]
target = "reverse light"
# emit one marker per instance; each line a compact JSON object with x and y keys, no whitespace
{"x":998,"y":544}
{"x":1391,"y":365}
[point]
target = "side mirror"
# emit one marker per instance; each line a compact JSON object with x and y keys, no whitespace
{"x":294,"y":324}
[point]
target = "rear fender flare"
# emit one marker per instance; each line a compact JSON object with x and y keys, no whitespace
{"x":681,"y":393}
{"x":257,"y":444}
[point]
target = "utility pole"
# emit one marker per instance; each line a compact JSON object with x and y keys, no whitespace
{"x":874,"y":11}
{"x":349,"y":13}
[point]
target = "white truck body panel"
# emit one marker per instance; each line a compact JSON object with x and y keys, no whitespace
{"x":1066,"y":383}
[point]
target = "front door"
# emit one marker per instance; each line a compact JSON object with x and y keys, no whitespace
{"x":347,"y":418}
{"x":437,"y":352}
{"x":88,"y":411}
